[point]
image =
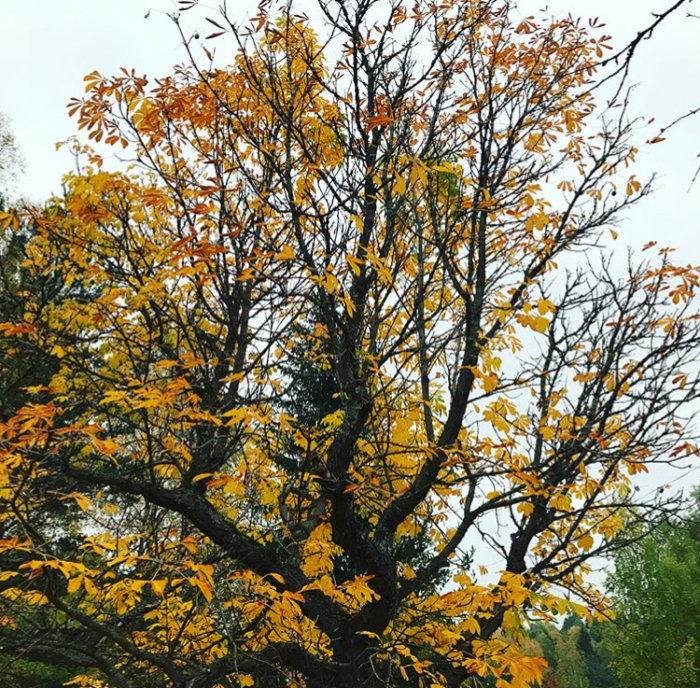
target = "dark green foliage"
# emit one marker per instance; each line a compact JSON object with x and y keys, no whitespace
{"x":575,"y":655}
{"x":23,"y":366}
{"x":20,"y":673}
{"x":27,"y":367}
{"x":312,"y":391}
{"x":544,"y":635}
{"x":655,"y":640}
{"x":598,"y":670}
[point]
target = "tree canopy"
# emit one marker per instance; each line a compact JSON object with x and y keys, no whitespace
{"x":10,"y":155}
{"x":332,"y":327}
{"x":656,"y":595}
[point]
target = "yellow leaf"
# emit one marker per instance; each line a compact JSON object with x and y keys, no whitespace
{"x":81,"y":500}
{"x":349,"y":305}
{"x":539,"y":324}
{"x":545,"y":306}
{"x":489,"y":382}
{"x":547,"y":432}
{"x":201,"y":476}
{"x":585,"y":542}
{"x":354,"y":263}
{"x":359,"y":223}
{"x":158,"y":586}
{"x":526,"y":508}
{"x":561,"y":502}
{"x":9,"y":220}
{"x":58,"y":351}
{"x":533,"y":141}
{"x":35,"y":598}
{"x":90,"y":587}
{"x":287,"y":253}
{"x":204,"y":587}
{"x":369,"y":634}
{"x":286,"y":422}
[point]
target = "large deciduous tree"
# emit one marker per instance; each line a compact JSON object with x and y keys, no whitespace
{"x":379,"y":226}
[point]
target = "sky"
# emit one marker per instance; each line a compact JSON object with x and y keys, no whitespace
{"x":47,"y":46}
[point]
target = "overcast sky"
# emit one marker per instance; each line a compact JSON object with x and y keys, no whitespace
{"x":47,"y":46}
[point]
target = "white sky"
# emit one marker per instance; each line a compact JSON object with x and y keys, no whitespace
{"x":47,"y":46}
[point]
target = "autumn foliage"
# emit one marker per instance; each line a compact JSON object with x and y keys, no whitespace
{"x":388,"y":204}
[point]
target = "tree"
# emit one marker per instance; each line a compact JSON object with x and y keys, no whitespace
{"x":574,"y":654}
{"x":22,"y":366}
{"x":411,"y":184}
{"x":10,"y":155}
{"x":598,"y":670}
{"x":656,"y":635}
{"x":571,"y":663}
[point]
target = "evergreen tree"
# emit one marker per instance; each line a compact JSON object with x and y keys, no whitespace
{"x":574,"y":654}
{"x":24,"y":370}
{"x":571,"y":664}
